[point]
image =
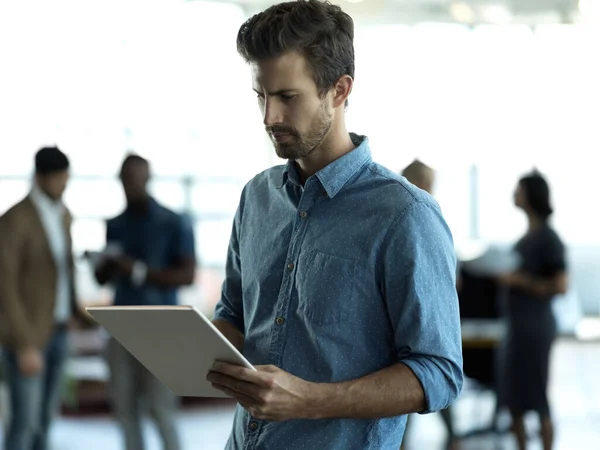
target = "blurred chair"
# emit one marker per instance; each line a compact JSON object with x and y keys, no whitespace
{"x":483,"y":331}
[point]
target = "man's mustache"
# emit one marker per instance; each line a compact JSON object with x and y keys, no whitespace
{"x":279,"y":129}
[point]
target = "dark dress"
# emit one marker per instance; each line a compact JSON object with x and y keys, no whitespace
{"x":531,"y":326}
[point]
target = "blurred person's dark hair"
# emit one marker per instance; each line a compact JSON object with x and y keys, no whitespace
{"x":133,"y":158}
{"x":537,"y":194}
{"x":321,"y":32}
{"x":50,"y":160}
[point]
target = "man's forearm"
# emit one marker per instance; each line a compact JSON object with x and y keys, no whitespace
{"x":171,"y":277}
{"x":543,"y":287}
{"x":230,"y":332}
{"x":390,"y":392}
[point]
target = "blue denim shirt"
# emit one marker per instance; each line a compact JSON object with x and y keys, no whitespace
{"x":160,"y":238}
{"x":336,"y":279}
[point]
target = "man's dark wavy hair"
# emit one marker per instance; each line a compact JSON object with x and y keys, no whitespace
{"x":318,"y":30}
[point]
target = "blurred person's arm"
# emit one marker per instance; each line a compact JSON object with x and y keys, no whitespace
{"x":181,"y":274}
{"x":553,"y":262}
{"x":12,"y":245}
{"x":183,"y":271}
{"x":106,"y":268}
{"x":542,"y":287}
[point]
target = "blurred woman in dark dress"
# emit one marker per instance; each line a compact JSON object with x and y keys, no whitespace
{"x":532,"y":326}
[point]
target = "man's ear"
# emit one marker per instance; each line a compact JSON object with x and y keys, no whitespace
{"x":342,"y":90}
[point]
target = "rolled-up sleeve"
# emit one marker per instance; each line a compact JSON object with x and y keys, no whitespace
{"x":230,"y":307}
{"x":419,"y":283}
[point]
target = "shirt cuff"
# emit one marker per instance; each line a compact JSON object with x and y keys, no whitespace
{"x":436,"y":386}
{"x":139,"y":273}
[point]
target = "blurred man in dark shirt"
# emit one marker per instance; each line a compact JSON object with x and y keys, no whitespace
{"x":152,"y":254}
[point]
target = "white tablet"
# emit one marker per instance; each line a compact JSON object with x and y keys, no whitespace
{"x":178,"y":344}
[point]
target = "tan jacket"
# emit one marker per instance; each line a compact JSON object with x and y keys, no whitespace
{"x":28,"y":278}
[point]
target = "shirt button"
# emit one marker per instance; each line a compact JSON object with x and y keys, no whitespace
{"x":303,"y":214}
{"x":253,"y":426}
{"x":280,"y":321}
{"x":290,"y":266}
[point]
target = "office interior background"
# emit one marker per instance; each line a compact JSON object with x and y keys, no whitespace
{"x":481,"y":90}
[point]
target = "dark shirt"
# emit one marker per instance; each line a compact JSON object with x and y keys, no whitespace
{"x":158,"y":237}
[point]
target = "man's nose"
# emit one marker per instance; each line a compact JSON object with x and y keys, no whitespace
{"x":272,"y":112}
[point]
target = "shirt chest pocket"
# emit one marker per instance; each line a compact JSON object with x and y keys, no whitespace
{"x":325,"y":285}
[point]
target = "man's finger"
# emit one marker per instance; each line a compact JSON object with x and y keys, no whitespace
{"x":240,"y":373}
{"x":245,"y":401}
{"x":250,"y":390}
{"x":267,"y":369}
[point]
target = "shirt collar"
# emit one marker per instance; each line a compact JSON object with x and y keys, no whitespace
{"x":336,"y":174}
{"x":150,"y":211}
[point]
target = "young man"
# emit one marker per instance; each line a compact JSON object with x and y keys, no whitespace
{"x":340,"y":274}
{"x":155,"y":257}
{"x":37,"y":301}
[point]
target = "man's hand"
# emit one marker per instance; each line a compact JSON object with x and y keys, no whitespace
{"x":30,"y":361}
{"x":111,"y":266}
{"x":268,"y":393}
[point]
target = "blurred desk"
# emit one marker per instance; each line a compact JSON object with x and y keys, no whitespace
{"x":481,"y":338}
{"x":482,"y":333}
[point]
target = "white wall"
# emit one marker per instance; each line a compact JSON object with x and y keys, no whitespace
{"x":164,"y":79}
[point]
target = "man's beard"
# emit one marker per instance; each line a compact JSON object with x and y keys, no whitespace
{"x":303,"y":144}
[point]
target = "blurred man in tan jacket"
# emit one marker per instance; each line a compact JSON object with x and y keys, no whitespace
{"x":37,"y":301}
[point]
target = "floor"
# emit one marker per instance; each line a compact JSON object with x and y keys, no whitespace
{"x":575,"y":393}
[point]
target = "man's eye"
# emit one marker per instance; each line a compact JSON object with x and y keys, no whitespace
{"x":287,"y":97}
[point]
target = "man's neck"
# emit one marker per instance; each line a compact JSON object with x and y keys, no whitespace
{"x":139,"y":206}
{"x":337,"y":145}
{"x":534,"y":222}
{"x":44,"y":196}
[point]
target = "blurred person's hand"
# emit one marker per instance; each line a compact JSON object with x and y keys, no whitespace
{"x":124,"y":265}
{"x":513,"y":279}
{"x":537,"y":287}
{"x":105,"y":269}
{"x":114,"y":265}
{"x":30,"y":361}
{"x":504,"y":279}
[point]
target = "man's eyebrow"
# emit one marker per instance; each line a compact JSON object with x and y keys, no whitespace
{"x":276,"y":93}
